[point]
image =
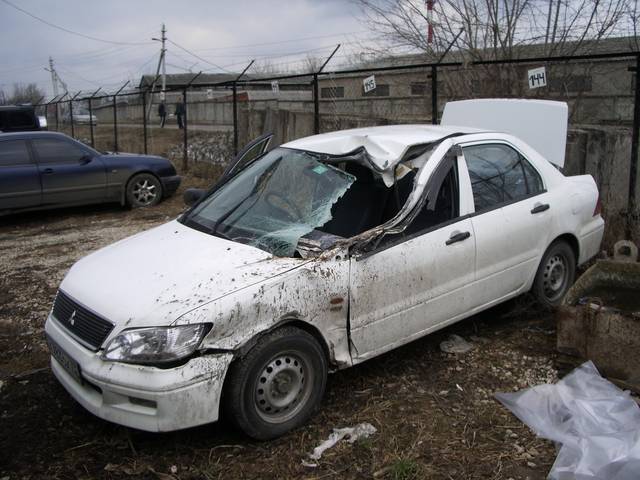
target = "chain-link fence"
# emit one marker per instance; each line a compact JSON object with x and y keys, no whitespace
{"x":200,"y":125}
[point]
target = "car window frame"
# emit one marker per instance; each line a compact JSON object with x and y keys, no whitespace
{"x":32,"y":160}
{"x":464,"y":165}
{"x":456,"y":162}
{"x":79,"y":145}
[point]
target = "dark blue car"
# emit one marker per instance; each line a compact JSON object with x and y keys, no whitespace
{"x":49,"y":169}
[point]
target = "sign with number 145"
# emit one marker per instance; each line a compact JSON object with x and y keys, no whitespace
{"x":369,"y":84}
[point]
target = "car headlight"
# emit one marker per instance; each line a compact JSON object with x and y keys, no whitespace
{"x":155,"y":344}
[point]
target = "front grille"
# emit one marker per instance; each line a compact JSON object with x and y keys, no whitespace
{"x":84,"y":324}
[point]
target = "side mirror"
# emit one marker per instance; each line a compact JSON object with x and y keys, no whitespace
{"x":85,"y":159}
{"x":192,"y":195}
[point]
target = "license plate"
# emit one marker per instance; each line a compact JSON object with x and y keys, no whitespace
{"x":68,"y":363}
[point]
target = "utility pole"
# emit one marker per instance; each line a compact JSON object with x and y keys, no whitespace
{"x":53,"y":77}
{"x":161,"y":64}
{"x":164,"y":61}
{"x":56,"y":80}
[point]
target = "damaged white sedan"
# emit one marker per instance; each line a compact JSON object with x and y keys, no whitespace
{"x":319,"y":255}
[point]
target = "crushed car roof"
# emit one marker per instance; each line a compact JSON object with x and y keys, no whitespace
{"x":385,"y":145}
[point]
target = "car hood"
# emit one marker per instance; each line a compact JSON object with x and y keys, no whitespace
{"x":156,"y":276}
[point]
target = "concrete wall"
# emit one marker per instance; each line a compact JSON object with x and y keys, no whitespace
{"x":597,"y":92}
{"x":605,"y":153}
{"x":203,"y":112}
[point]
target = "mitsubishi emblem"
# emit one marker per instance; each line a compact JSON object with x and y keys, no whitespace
{"x":72,"y":318}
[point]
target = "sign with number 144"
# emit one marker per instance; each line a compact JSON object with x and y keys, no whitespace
{"x":537,"y":77}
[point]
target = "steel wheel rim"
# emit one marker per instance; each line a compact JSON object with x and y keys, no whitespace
{"x":283,"y":387}
{"x":554,"y":278}
{"x":144,"y":191}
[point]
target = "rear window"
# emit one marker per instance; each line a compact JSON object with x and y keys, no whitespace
{"x":21,"y":118}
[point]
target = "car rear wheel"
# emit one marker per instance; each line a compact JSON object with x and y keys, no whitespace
{"x":556,"y":274}
{"x":277,"y":385}
{"x":143,"y":190}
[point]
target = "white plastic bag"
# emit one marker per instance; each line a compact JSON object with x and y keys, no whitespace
{"x":352,"y":434}
{"x":596,"y":425}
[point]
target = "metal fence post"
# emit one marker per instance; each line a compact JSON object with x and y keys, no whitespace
{"x":633,"y":165}
{"x":235,"y":118}
{"x":93,"y":143}
{"x":71,"y":118}
{"x":144,"y":119}
{"x":57,"y":116}
{"x":316,"y":105}
{"x":115,"y":117}
{"x":91,"y":116}
{"x":434,"y":94}
{"x":185,"y":163}
{"x":115,"y":125}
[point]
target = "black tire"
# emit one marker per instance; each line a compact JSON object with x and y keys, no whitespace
{"x":555,"y":274}
{"x":143,"y":190}
{"x":266,"y":395}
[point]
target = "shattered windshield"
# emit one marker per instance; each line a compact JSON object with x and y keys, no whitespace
{"x":273,"y":202}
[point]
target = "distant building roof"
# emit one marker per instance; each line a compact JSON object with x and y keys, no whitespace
{"x":587,"y":47}
{"x":176,"y":80}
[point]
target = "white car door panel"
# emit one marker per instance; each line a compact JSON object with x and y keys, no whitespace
{"x":509,"y":242}
{"x":404,"y":291}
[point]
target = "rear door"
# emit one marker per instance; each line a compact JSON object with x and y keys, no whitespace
{"x":69,"y":172}
{"x":19,"y":178}
{"x":511,"y":221}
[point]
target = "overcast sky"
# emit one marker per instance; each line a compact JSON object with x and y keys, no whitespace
{"x":225,"y":33}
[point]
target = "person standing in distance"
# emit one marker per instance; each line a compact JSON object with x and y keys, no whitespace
{"x":162,"y":113}
{"x":180,"y":114}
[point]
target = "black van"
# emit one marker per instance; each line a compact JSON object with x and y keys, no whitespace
{"x":18,"y":118}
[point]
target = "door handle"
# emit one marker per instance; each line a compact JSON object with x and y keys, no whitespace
{"x":458,"y":237}
{"x":540,"y":207}
{"x":47,"y":171}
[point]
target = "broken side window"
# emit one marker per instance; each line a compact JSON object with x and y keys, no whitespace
{"x":273,"y":202}
{"x":442,"y":209}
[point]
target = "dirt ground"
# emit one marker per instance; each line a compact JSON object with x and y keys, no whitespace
{"x":434,"y":412}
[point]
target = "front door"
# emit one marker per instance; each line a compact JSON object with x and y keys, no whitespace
{"x":69,"y":173}
{"x":19,"y":179}
{"x":418,"y":281}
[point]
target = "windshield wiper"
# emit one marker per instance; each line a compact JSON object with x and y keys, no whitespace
{"x":190,"y":222}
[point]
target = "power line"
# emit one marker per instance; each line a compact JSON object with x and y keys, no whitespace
{"x":70,"y":31}
{"x":283,"y":41}
{"x":196,"y":56}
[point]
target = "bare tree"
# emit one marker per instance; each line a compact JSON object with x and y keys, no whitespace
{"x":266,"y":67}
{"x":312,"y":63}
{"x":22,"y":94}
{"x":495,"y":28}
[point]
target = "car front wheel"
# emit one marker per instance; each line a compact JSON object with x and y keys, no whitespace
{"x":143,"y":190}
{"x":556,"y":274}
{"x":277,"y":385}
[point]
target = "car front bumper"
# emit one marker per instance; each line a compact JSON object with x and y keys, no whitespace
{"x":170,"y":184}
{"x":139,"y":396}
